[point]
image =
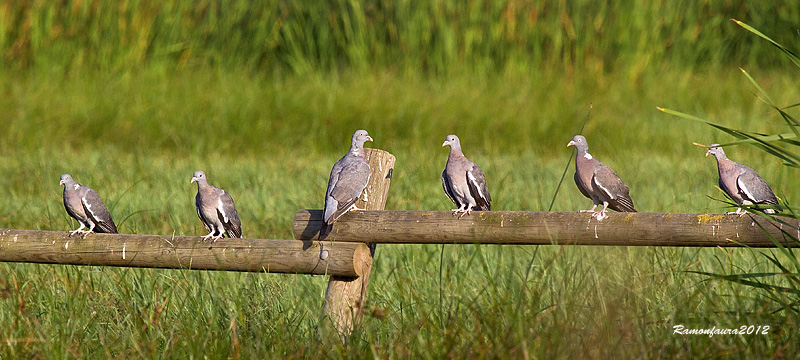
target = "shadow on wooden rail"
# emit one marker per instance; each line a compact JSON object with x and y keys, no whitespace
{"x":546,"y":228}
{"x":185,"y":252}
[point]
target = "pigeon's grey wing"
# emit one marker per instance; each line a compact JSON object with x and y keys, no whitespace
{"x":98,"y":213}
{"x":613,"y":189}
{"x":752,"y":187}
{"x":447,"y":185}
{"x":351,"y":183}
{"x":330,"y":203}
{"x":229,"y":216}
{"x":477,"y":187}
{"x":336,"y":172}
{"x":348,"y":180}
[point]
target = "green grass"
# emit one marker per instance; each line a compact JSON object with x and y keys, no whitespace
{"x":132,"y":97}
{"x":271,"y":142}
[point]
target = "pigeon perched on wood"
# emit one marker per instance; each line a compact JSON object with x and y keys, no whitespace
{"x":742,"y":183}
{"x":598,"y":182}
{"x":84,"y":205}
{"x":348,"y":179}
{"x":463,"y":181}
{"x":215,"y":209}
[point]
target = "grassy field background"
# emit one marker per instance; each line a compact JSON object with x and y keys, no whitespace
{"x":132,"y":97}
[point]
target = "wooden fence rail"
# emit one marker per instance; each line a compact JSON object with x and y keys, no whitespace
{"x":185,"y":252}
{"x":546,"y":228}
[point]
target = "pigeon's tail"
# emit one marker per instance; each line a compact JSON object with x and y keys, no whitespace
{"x":622,"y":204}
{"x":324,"y":231}
{"x":233,"y":231}
{"x":774,"y":210}
{"x":483,"y":205}
{"x":106,"y":227}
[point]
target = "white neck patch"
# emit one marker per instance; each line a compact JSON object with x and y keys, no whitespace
{"x":588,"y":156}
{"x":77,"y":186}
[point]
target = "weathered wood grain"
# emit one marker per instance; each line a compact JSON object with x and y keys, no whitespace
{"x":344,"y":298}
{"x":545,"y":228}
{"x":184,"y":252}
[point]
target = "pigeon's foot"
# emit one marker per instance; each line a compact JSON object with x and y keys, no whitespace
{"x":738,"y":211}
{"x":599,"y":215}
{"x":589,"y":210}
{"x":354,"y":208}
{"x":206,"y":237}
{"x":81,"y":232}
{"x":458,"y":211}
{"x":215,"y":238}
{"x":86,"y":233}
{"x":465,"y":212}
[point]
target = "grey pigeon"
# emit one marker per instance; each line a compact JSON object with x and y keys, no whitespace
{"x":463,"y":181}
{"x":215,"y":209}
{"x":84,"y":205}
{"x":348,"y":179}
{"x":598,"y":182}
{"x":742,"y":183}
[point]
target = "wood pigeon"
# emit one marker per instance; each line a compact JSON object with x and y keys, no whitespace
{"x":348,"y":179}
{"x":742,"y":183}
{"x":463,"y":181}
{"x":216,"y":210}
{"x":598,"y":182}
{"x":84,"y":205}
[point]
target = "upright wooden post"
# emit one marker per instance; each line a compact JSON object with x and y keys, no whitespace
{"x":344,"y":298}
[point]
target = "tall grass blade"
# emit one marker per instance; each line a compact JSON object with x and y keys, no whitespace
{"x":741,"y":279}
{"x":763,"y":94}
{"x":759,"y":140}
{"x":792,"y":56}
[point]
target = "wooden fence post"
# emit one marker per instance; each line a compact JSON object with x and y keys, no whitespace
{"x":344,"y":298}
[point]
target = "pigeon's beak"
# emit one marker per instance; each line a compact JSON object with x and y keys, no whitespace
{"x":571,"y":143}
{"x":369,"y":138}
{"x":61,"y":182}
{"x":708,"y":152}
{"x":445,"y":143}
{"x":193,"y":180}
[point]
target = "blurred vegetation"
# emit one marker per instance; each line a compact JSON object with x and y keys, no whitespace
{"x":435,"y":37}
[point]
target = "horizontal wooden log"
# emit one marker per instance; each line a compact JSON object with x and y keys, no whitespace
{"x":184,"y":252}
{"x":545,"y":228}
